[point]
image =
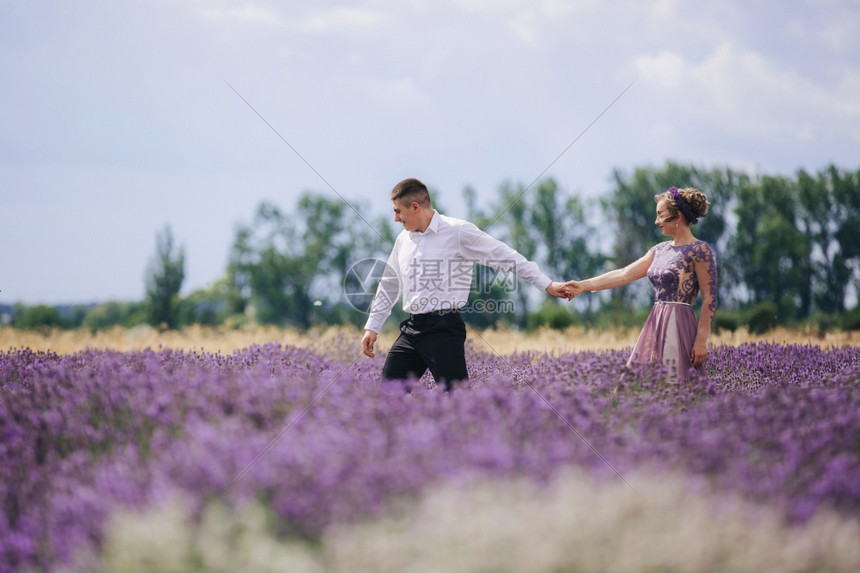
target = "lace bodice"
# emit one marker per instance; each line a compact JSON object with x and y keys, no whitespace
{"x":673,"y":272}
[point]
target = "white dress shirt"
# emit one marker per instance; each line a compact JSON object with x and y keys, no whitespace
{"x":433,"y":270}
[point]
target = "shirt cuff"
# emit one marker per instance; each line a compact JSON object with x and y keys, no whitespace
{"x":542,"y":282}
{"x":374,"y":324}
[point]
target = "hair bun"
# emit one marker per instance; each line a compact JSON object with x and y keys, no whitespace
{"x":697,"y":201}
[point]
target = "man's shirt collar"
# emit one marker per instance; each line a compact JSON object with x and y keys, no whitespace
{"x":432,"y":226}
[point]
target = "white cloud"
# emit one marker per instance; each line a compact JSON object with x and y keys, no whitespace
{"x":845,"y":96}
{"x":525,"y":26}
{"x":739,"y":91}
{"x":843,"y":35}
{"x":664,"y":10}
{"x":666,"y":69}
{"x":247,"y":13}
{"x":339,"y":20}
{"x":839,"y":31}
{"x":529,"y":21}
{"x":342,"y":20}
{"x":402,"y":93}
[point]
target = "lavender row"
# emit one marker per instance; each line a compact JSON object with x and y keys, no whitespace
{"x":324,"y":442}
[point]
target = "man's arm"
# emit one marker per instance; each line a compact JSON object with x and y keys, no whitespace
{"x":386,"y":296}
{"x":387,"y":293}
{"x":481,"y":247}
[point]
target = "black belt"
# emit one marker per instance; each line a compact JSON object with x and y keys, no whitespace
{"x":436,"y":313}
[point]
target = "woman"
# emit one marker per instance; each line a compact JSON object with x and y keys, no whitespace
{"x":679,"y":269}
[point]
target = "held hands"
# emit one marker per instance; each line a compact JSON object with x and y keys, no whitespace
{"x":559,"y":290}
{"x":575,"y":288}
{"x":568,"y":290}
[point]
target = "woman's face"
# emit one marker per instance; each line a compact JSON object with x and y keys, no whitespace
{"x":665,"y":220}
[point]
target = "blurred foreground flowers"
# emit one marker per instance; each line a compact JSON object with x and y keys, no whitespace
{"x":575,"y":524}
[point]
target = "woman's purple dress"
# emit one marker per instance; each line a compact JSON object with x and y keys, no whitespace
{"x":670,"y":331}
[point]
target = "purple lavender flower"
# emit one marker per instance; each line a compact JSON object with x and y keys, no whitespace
{"x":323,"y":442}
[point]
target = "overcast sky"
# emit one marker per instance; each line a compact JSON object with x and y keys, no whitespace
{"x":116,"y":118}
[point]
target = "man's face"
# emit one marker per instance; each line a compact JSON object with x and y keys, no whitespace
{"x":406,"y":213}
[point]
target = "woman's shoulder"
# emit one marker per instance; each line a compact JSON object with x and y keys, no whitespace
{"x":702,"y":249}
{"x":700,"y":244}
{"x":660,"y":246}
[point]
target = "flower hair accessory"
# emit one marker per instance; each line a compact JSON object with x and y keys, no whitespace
{"x":683,"y":205}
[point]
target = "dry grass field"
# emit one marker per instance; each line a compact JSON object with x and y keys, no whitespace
{"x":333,"y":340}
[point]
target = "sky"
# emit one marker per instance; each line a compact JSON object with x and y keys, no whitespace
{"x":118,"y":119}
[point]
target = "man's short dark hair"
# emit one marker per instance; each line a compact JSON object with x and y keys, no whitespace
{"x":410,"y":190}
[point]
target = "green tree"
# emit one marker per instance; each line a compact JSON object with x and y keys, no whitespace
{"x":213,"y":305}
{"x":820,"y":217}
{"x":511,"y":224}
{"x":845,"y":189}
{"x":114,"y":313}
{"x":75,"y":314}
{"x":772,"y":253}
{"x":284,"y":263}
{"x":549,"y":227}
{"x":164,"y":279}
{"x":36,"y":317}
{"x":560,"y":222}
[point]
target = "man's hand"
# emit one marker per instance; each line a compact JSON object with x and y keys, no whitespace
{"x":575,"y":288}
{"x":559,"y":290}
{"x":367,"y":343}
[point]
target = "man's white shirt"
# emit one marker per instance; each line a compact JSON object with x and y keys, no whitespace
{"x":433,"y":270}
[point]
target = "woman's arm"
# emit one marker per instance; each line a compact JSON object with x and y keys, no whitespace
{"x":705,"y":267}
{"x":612,"y":279}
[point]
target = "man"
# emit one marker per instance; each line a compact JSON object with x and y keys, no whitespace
{"x":430,"y":267}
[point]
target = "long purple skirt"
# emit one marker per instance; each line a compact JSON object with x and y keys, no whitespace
{"x":667,"y":338}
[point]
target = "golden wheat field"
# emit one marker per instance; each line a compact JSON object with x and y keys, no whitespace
{"x":333,"y":340}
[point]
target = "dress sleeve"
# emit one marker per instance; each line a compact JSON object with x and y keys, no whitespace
{"x":705,"y":265}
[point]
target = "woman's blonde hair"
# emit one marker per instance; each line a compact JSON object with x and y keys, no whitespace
{"x":690,"y":198}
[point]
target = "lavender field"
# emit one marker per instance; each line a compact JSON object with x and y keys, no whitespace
{"x":278,"y":458}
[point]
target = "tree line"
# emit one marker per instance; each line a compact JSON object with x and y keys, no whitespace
{"x":787,"y":247}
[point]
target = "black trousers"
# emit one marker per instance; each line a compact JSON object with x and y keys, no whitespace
{"x":434,"y":340}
